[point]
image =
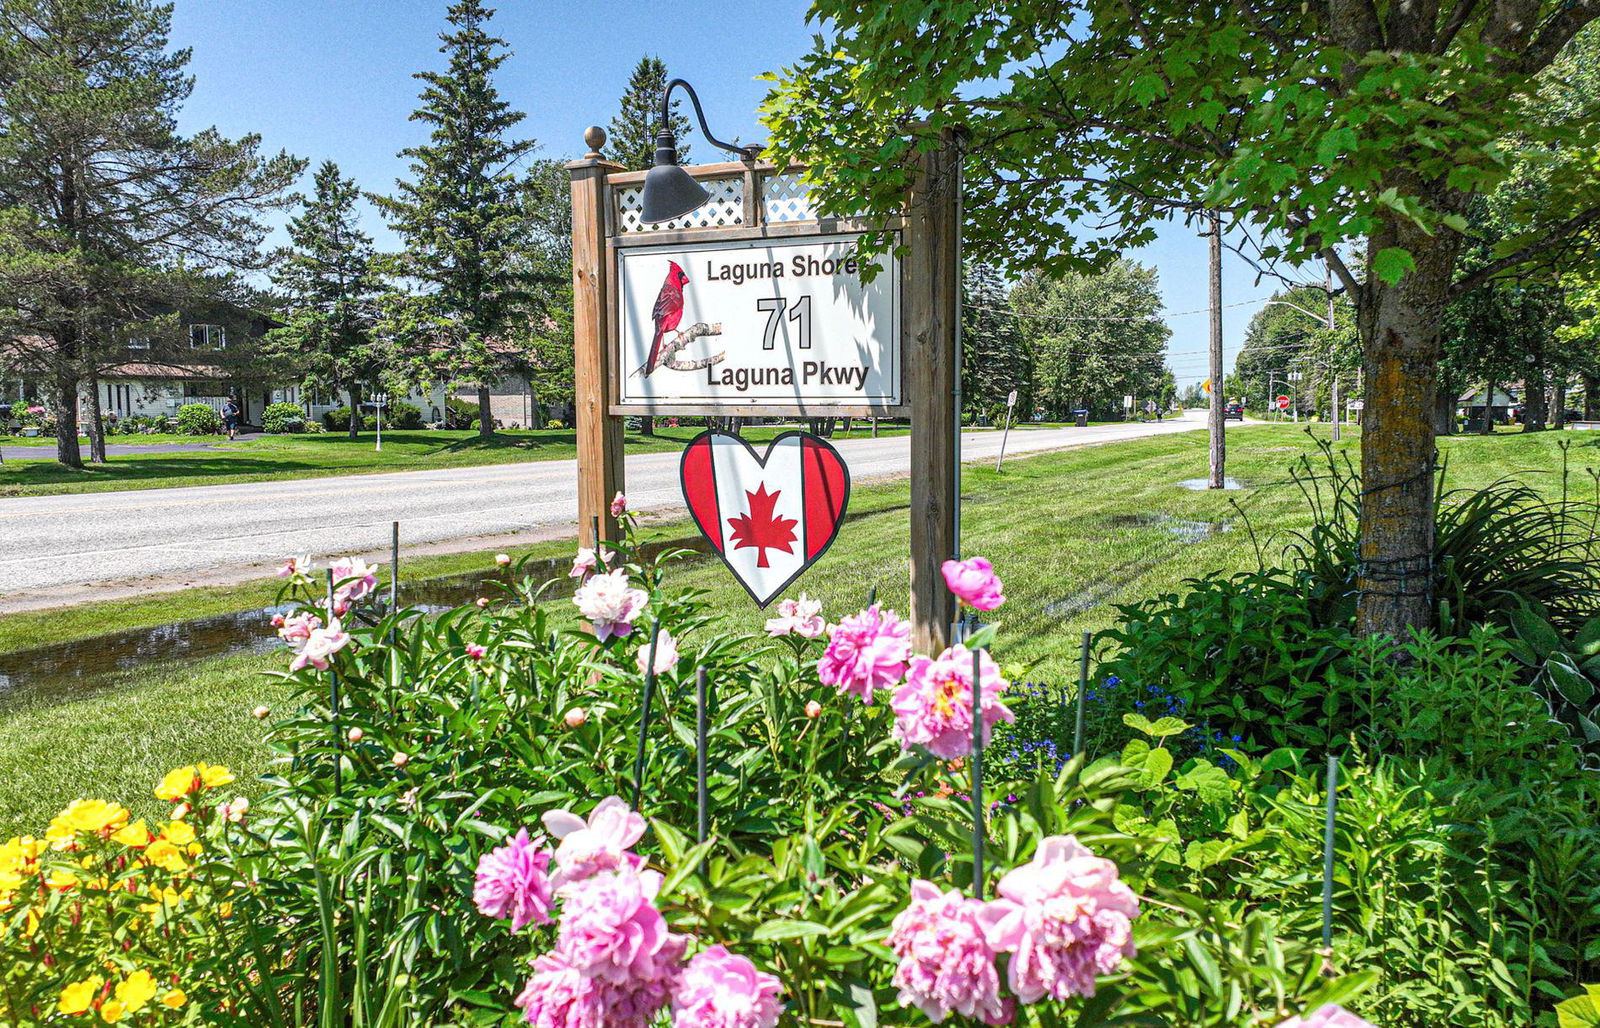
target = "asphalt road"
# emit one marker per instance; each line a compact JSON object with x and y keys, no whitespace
{"x":60,"y":548}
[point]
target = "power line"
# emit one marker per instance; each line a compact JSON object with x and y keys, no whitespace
{"x":1147,"y":317}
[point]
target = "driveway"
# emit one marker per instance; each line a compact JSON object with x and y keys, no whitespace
{"x":63,"y":549}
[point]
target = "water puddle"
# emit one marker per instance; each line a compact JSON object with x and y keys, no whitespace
{"x":1184,"y":530}
{"x":73,"y":668}
{"x":1199,"y":485}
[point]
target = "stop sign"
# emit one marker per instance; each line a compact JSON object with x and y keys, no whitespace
{"x":1283,"y":403}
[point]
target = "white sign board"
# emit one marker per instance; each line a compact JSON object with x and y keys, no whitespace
{"x":1011,"y":398}
{"x":753,"y":323}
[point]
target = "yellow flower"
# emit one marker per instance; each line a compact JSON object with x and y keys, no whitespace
{"x":168,"y":897}
{"x":225,"y":908}
{"x":162,"y":853}
{"x":180,"y":782}
{"x":136,"y":990}
{"x":173,"y":999}
{"x":179,"y":833}
{"x":135,"y":835}
{"x":20,"y":853}
{"x":75,"y":998}
{"x":61,"y":879}
{"x":92,"y":816}
{"x":111,"y":1011}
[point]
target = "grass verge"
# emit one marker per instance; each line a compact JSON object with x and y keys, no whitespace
{"x":1071,"y":533}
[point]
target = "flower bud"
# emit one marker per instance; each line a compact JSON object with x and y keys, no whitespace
{"x":576,"y":716}
{"x":261,"y":712}
{"x":180,"y":812}
{"x":502,"y":559}
{"x":400,"y":759}
{"x":355,"y":735}
{"x":813,"y":709}
{"x":482,"y":602}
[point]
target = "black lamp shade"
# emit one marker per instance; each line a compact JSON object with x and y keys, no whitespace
{"x":670,"y":192}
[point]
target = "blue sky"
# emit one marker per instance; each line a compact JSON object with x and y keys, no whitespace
{"x":332,"y":79}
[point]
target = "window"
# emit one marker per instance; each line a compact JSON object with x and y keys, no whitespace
{"x":207,"y":337}
{"x":138,"y":342}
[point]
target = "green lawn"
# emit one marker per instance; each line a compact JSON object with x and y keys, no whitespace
{"x":307,"y":456}
{"x":1071,"y":534}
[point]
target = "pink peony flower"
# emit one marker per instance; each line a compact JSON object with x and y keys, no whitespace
{"x":946,"y":964}
{"x":933,"y":708}
{"x":1330,"y":1016}
{"x":866,"y":652}
{"x":576,"y":716}
{"x":584,"y":563}
{"x":295,"y":566}
{"x":476,"y":651}
{"x":720,"y":990}
{"x":1064,"y":917}
{"x":619,"y":505}
{"x":320,"y":646}
{"x":610,"y":603}
{"x":559,"y":996}
{"x":353,"y":579}
{"x":512,"y":882}
{"x":666,"y":653}
{"x":974,"y":583}
{"x":297,"y":629}
{"x":802,"y":617}
{"x":611,"y":930}
{"x":601,"y":843}
{"x":278,"y":621}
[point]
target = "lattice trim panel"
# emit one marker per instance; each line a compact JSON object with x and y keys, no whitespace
{"x":787,"y":198}
{"x":724,"y":210}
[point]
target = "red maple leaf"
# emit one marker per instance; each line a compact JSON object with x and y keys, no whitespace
{"x":760,"y":528}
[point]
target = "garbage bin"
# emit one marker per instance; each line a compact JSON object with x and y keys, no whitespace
{"x":1080,"y":418}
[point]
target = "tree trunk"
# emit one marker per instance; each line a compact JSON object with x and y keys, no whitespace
{"x":647,"y":425}
{"x":1444,"y":413}
{"x":1591,"y":402}
{"x":1558,"y":410}
{"x":66,"y":411}
{"x":485,"y":414}
{"x":1535,"y":402}
{"x":1486,"y":422}
{"x":1401,"y":356}
{"x":354,"y":392}
{"x":97,"y":424}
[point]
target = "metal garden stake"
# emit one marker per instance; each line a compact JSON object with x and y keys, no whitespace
{"x":1327,"y":859}
{"x":644,"y":711}
{"x":333,"y":704}
{"x":702,"y":799}
{"x":977,"y":774}
{"x":1083,"y":687}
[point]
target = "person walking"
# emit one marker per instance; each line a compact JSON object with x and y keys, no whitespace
{"x":230,"y":417}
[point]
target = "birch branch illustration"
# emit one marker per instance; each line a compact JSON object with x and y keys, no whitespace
{"x":683,"y":338}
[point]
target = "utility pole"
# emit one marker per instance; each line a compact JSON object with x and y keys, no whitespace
{"x":1333,"y":355}
{"x":1219,"y":445}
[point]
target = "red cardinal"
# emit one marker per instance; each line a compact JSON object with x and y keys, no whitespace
{"x":668,"y":311}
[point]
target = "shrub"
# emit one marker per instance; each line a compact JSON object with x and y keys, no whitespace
{"x":402,"y":415}
{"x":198,"y":419}
{"x":337,"y":419}
{"x":283,"y":418}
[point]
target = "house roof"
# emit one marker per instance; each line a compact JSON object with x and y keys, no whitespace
{"x":145,"y":370}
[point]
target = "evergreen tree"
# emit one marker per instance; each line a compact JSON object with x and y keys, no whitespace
{"x":107,"y":213}
{"x":632,"y":142}
{"x":462,"y":217}
{"x":993,"y":358}
{"x":333,"y":287}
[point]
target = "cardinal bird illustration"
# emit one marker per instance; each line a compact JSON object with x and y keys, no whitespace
{"x":667,"y":313}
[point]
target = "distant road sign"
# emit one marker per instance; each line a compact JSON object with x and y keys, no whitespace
{"x":1283,"y":403}
{"x":1011,"y":399}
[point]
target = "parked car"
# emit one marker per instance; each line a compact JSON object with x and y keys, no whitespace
{"x":1233,"y":411}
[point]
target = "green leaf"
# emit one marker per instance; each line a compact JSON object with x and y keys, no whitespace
{"x":1391,"y":263}
{"x":772,"y":931}
{"x":1208,"y":781}
{"x":1156,"y":766}
{"x":1147,"y":87}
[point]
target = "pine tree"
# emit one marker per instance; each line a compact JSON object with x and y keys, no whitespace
{"x":633,"y":130}
{"x":462,"y":218}
{"x":993,"y":358}
{"x":107,"y":214}
{"x":329,"y":274}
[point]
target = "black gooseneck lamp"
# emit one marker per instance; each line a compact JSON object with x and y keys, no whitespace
{"x":669,"y":191}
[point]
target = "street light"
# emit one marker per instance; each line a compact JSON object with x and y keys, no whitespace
{"x":669,"y":191}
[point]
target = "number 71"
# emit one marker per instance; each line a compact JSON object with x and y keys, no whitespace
{"x":775,"y":306}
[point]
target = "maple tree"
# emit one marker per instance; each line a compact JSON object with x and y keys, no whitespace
{"x":761,"y":528}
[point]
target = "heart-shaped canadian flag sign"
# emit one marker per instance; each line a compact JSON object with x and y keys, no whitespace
{"x":769,"y":516}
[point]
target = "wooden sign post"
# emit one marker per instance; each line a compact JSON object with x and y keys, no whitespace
{"x":753,"y":305}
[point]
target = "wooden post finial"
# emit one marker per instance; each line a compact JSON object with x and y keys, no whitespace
{"x":594,"y":137}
